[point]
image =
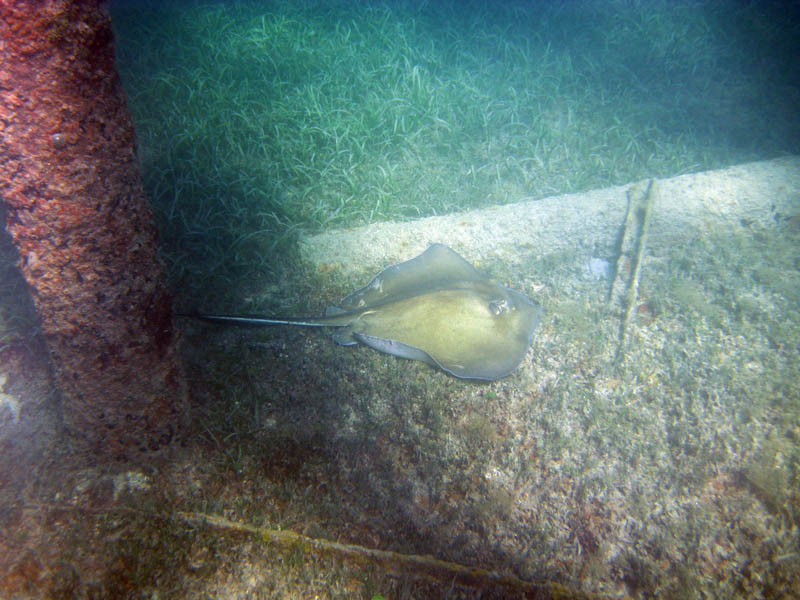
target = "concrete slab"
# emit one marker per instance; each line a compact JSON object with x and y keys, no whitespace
{"x":753,"y":194}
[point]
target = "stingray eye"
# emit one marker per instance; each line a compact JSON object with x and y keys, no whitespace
{"x":498,"y":307}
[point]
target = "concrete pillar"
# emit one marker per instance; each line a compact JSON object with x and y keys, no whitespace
{"x":84,"y":229}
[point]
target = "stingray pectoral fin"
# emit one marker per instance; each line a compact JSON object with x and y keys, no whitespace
{"x":412,"y":352}
{"x":395,"y":348}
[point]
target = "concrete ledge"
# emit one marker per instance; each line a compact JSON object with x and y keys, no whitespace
{"x":729,"y":199}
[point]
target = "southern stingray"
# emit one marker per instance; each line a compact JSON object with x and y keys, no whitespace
{"x":436,"y":308}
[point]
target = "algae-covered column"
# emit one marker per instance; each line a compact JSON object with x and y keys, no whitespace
{"x":84,"y":229}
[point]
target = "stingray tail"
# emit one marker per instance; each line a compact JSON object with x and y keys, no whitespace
{"x":252,"y":320}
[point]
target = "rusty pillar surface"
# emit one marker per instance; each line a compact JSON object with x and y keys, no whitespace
{"x":84,"y":228}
